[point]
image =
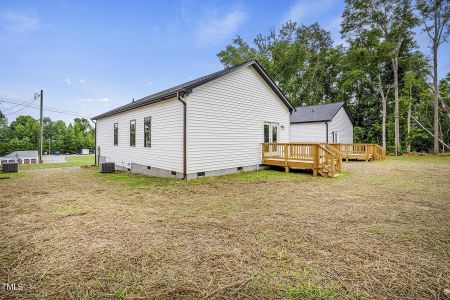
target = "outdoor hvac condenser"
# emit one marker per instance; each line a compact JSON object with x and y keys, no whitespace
{"x":107,"y":167}
{"x":10,"y":167}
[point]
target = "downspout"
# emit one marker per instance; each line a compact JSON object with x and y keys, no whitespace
{"x":326,"y":125}
{"x":95,"y":141}
{"x":179,"y":95}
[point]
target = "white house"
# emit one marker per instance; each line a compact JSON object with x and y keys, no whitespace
{"x":324,"y":123}
{"x":212,"y":125}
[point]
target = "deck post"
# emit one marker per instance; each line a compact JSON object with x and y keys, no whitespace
{"x":316,"y":159}
{"x":262,"y":153}
{"x":366,"y":147}
{"x":346,"y":152}
{"x":286,"y":166}
{"x":332,"y":165}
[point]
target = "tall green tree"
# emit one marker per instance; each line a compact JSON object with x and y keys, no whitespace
{"x":444,"y":91}
{"x":59,"y":129}
{"x":395,"y":20}
{"x":24,"y":134}
{"x":300,"y":58}
{"x":435,"y":15}
{"x":5,"y":134}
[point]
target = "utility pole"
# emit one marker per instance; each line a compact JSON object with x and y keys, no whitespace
{"x":42,"y":127}
{"x":49,"y":152}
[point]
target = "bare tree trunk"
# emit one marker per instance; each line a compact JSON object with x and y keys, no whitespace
{"x":383,"y":120}
{"x":436,"y":100}
{"x":396,"y":107}
{"x":408,"y":148}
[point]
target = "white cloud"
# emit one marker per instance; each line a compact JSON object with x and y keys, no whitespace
{"x":146,"y":81}
{"x":334,"y":26}
{"x":305,"y":11}
{"x":82,"y":81}
{"x":84,"y":102}
{"x":89,"y":102}
{"x":68,"y":81}
{"x":215,"y":28}
{"x":327,"y":13}
{"x":103,"y":100}
{"x":18,"y":23}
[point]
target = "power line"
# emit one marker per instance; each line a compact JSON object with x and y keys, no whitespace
{"x":20,"y":109}
{"x":14,"y":107}
{"x":56,"y":110}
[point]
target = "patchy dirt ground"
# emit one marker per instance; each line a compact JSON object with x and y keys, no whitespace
{"x":380,"y":232}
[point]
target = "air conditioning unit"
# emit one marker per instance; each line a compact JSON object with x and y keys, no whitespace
{"x":10,"y":167}
{"x":107,"y":167}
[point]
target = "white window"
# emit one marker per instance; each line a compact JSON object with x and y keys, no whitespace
{"x":148,"y":132}
{"x":335,"y":137}
{"x":116,"y":134}
{"x":133,"y":133}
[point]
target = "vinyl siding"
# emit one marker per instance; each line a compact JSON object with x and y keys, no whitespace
{"x":343,"y":125}
{"x":308,"y":132}
{"x":226,"y":118}
{"x":166,"y":151}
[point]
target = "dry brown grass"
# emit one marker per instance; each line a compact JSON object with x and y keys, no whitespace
{"x":381,"y":232}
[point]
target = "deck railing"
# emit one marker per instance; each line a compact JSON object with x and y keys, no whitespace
{"x":318,"y":157}
{"x":360,"y":151}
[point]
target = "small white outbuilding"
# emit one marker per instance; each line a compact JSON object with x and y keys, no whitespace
{"x":212,"y":125}
{"x":323,"y":123}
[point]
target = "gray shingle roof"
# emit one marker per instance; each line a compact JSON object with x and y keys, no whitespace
{"x":188,"y":86}
{"x":317,"y":113}
{"x":22,"y":154}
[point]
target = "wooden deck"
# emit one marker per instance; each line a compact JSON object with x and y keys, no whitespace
{"x":367,"y":152}
{"x":323,"y":159}
{"x":320,"y":158}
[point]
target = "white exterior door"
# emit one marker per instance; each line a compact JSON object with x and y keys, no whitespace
{"x":271,"y":135}
{"x":271,"y":132}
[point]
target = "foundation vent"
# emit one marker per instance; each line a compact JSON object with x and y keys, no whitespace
{"x":200,"y":174}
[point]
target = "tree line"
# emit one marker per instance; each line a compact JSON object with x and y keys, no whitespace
{"x":23,"y":134}
{"x":391,"y":87}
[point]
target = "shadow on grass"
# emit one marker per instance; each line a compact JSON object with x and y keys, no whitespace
{"x":254,"y":176}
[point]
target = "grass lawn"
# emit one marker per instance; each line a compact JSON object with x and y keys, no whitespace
{"x":382,"y":231}
{"x":71,"y":161}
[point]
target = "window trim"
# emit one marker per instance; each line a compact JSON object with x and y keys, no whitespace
{"x":134,"y":141}
{"x":116,"y":134}
{"x":335,"y":136}
{"x":149,"y":132}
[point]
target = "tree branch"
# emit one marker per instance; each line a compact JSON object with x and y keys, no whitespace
{"x":429,"y":132}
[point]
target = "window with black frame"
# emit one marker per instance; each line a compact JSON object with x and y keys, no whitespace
{"x":148,"y":132}
{"x":116,"y":134}
{"x":133,"y":133}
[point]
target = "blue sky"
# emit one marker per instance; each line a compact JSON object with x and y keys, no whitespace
{"x":92,"y":56}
